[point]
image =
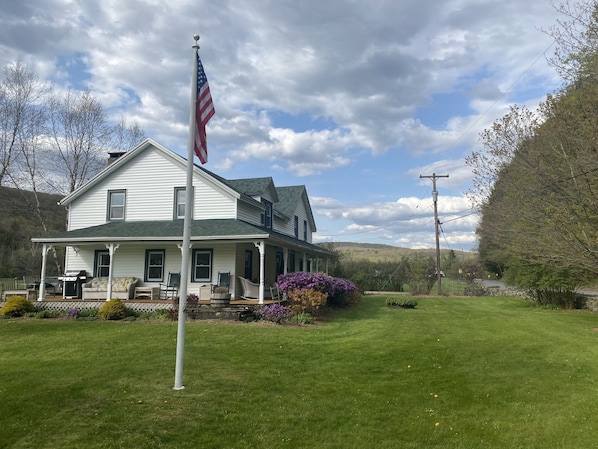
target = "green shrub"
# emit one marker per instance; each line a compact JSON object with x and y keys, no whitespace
{"x":47,"y":314}
{"x":16,"y":306}
{"x":159,"y":314}
{"x":302,"y":318}
{"x":88,"y":313}
{"x":401,"y":303}
{"x":114,"y":309}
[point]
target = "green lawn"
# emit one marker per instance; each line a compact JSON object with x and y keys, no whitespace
{"x":452,"y":373}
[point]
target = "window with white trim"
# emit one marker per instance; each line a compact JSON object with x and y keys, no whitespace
{"x":267,"y":214}
{"x":180,"y":200}
{"x":116,"y":205}
{"x":154,"y":265}
{"x":202,"y":265}
{"x":102,"y":264}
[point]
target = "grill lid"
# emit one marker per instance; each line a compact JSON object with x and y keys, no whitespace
{"x":73,"y":275}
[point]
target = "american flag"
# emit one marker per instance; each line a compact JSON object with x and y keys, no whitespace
{"x":204,"y":110}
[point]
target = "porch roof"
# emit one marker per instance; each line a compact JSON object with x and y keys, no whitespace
{"x":172,"y":231}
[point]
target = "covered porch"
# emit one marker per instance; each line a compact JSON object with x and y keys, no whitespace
{"x":149,"y":251}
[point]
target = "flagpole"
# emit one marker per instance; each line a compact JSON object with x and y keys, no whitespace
{"x":180,"y":345}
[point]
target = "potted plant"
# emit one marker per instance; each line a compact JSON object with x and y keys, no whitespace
{"x":220,"y":297}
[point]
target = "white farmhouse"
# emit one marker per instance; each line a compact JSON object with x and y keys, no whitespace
{"x":127,"y":222}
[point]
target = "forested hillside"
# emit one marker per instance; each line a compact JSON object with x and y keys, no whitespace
{"x":19,"y":223}
{"x":537,"y":176}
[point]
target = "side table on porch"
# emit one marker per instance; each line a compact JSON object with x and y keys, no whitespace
{"x":147,"y":292}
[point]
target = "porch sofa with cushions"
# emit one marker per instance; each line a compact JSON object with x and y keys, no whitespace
{"x":122,"y":288}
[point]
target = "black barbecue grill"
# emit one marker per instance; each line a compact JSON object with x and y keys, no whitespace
{"x":72,"y":281}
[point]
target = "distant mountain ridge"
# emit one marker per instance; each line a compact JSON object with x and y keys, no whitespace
{"x":378,"y":252}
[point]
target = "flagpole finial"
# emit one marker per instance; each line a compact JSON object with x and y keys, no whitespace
{"x":196,"y":37}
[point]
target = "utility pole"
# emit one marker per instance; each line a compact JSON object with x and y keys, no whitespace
{"x":434,"y":177}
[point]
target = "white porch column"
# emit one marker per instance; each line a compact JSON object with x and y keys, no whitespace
{"x":42,"y":280}
{"x":111,"y":250}
{"x":261,"y":246}
{"x":285,"y":260}
{"x":305,"y":263}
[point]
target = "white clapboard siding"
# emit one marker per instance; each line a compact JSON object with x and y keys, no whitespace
{"x":248,"y":213}
{"x":288,"y":227}
{"x":149,"y":181}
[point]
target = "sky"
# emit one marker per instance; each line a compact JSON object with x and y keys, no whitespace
{"x":355,"y":100}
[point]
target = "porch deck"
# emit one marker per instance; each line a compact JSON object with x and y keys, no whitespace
{"x":236,"y":311}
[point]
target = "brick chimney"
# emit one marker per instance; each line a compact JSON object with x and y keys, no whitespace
{"x":114,"y":156}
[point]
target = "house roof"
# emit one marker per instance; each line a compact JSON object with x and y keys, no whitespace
{"x":174,"y":157}
{"x":285,"y":203}
{"x":255,"y":187}
{"x":288,"y":199}
{"x":167,"y":230}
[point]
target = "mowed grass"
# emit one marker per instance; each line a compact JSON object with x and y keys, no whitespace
{"x":452,"y":373}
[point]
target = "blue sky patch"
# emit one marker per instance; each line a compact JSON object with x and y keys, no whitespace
{"x":301,"y":122}
{"x":76,"y":69}
{"x":442,"y":108}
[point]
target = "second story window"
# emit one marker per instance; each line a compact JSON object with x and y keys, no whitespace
{"x":296,"y":226}
{"x":305,"y":230}
{"x":180,"y":200}
{"x":116,"y":205}
{"x":267,"y":214}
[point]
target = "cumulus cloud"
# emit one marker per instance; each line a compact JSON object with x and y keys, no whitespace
{"x":306,"y":89}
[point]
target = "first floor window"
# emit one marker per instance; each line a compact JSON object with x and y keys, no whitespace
{"x":279,"y":263}
{"x":202,"y":265}
{"x":102,"y":264}
{"x":248,"y":268}
{"x":154,"y":265}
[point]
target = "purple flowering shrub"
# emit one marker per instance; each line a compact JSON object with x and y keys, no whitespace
{"x":339,"y":292}
{"x":277,"y":313}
